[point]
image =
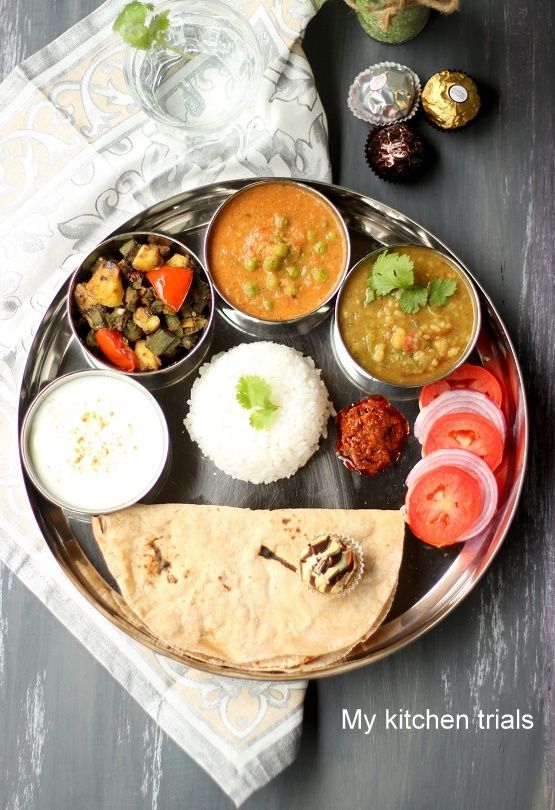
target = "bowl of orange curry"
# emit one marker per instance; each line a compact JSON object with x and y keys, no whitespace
{"x":277,"y":251}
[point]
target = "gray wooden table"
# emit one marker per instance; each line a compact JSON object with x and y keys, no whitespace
{"x":71,"y":737}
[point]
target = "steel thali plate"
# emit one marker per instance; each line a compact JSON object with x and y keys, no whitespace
{"x":431,"y":582}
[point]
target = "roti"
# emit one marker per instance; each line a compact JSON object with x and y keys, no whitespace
{"x":193,"y":575}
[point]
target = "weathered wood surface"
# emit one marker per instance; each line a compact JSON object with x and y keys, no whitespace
{"x":71,"y":737}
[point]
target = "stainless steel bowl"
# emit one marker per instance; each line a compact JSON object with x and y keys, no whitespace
{"x":372,"y":384}
{"x":170,"y":374}
{"x":272,"y":329}
{"x":158,"y":471}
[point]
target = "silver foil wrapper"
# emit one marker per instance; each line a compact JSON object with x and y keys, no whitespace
{"x":385,"y":93}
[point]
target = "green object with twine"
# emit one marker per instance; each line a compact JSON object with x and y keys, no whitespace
{"x":397,"y":21}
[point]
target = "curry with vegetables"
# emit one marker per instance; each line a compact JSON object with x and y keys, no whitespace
{"x":277,"y":251}
{"x":407,"y":315}
{"x":144,"y":309}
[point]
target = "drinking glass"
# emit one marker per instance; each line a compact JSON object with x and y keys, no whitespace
{"x":203,"y":95}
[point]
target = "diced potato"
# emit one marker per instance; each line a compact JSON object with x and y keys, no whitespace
{"x":440,"y":346}
{"x":177,"y":260}
{"x":146,"y":359}
{"x":193,"y":324}
{"x":379,"y":352}
{"x":83,"y":298}
{"x":398,"y":338}
{"x":145,"y":320}
{"x":105,"y":285}
{"x":147,"y":258}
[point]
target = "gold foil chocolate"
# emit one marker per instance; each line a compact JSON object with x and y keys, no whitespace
{"x":450,"y":99}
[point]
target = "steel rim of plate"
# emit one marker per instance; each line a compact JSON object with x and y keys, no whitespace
{"x":450,"y":589}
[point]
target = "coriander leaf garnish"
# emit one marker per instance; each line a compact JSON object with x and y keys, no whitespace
{"x":392,"y":271}
{"x":260,"y":420}
{"x":131,"y":25}
{"x":413,"y":299}
{"x":253,"y":393}
{"x":440,"y":290}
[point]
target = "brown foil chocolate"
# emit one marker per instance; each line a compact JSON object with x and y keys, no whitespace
{"x":395,"y":152}
{"x":450,"y":99}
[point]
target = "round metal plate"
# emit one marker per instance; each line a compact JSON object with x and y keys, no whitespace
{"x":432,"y":581}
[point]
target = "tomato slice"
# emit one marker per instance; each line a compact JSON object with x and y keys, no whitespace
{"x":116,"y":349}
{"x":466,"y":431}
{"x":443,"y":505}
{"x":171,"y":284}
{"x":431,"y":391}
{"x":473,"y":378}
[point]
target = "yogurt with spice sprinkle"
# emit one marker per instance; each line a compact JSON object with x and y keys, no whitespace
{"x":95,"y":442}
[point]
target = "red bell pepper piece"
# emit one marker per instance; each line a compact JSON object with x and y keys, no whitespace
{"x":171,"y":284}
{"x":116,"y":349}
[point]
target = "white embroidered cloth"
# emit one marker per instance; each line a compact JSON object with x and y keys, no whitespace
{"x":77,"y":159}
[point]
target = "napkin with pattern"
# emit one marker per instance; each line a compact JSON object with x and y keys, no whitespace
{"x":77,"y":159}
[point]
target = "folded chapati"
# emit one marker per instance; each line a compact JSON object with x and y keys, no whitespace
{"x":193,"y":575}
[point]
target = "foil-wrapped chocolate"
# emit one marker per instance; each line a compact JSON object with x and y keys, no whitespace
{"x":396,"y":152}
{"x":450,"y":99}
{"x":385,"y":93}
{"x":331,"y":563}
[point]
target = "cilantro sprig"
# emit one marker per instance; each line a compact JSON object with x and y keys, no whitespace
{"x":393,"y":273}
{"x":441,"y":289}
{"x":254,"y":394}
{"x":413,"y":299}
{"x":131,"y":25}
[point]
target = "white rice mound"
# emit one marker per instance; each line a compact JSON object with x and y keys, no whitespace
{"x":220,"y":426}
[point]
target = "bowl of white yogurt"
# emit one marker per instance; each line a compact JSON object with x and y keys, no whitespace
{"x":93,"y":442}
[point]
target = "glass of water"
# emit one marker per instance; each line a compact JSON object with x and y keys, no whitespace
{"x":202,"y":95}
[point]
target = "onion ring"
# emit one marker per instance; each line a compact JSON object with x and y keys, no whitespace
{"x":471,"y":464}
{"x":458,"y":401}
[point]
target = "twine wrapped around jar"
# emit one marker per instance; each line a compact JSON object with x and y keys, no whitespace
{"x":397,"y":21}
